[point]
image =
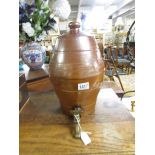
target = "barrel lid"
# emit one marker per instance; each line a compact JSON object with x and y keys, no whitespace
{"x":74,"y":25}
{"x":75,"y":40}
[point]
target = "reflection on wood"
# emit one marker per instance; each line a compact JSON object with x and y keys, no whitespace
{"x":45,"y":130}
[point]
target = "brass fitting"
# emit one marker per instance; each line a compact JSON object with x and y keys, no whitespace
{"x":132,"y":106}
{"x":76,"y":120}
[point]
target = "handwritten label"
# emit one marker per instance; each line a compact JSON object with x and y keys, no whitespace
{"x":85,"y":138}
{"x":83,"y":86}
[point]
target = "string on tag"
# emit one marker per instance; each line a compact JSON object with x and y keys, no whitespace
{"x":84,"y":135}
{"x":78,"y":121}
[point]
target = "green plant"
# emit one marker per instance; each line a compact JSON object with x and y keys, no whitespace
{"x":35,"y":20}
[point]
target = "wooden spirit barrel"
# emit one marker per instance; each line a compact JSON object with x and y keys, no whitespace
{"x":76,"y":70}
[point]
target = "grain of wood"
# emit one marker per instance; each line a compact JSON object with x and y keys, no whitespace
{"x":45,"y":130}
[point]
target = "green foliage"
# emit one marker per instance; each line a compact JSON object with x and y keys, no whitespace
{"x":37,"y":18}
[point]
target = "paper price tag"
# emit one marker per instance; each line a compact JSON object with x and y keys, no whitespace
{"x":85,"y":138}
{"x":83,"y":86}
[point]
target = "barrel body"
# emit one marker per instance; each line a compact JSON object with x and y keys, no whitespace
{"x":76,"y":70}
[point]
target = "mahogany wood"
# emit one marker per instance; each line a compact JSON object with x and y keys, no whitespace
{"x":38,"y":81}
{"x":45,"y":130}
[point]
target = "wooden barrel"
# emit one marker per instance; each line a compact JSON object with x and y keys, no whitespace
{"x":76,"y":70}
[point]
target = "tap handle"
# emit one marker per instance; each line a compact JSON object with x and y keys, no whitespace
{"x":76,"y":111}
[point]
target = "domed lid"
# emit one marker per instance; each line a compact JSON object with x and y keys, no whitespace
{"x":75,"y":40}
{"x":74,"y":25}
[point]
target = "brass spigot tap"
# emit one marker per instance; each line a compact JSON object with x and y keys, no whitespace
{"x":76,"y":113}
{"x":132,"y":106}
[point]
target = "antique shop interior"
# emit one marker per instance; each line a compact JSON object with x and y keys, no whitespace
{"x":76,"y":77}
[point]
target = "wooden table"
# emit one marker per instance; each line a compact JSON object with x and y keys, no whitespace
{"x":114,"y":86}
{"x":45,"y":130}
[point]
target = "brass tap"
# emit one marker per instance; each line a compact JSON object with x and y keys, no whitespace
{"x":76,"y":119}
{"x":132,"y":106}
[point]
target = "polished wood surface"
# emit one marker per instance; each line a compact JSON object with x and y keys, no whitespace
{"x":41,"y":85}
{"x":45,"y":130}
{"x":32,"y":75}
{"x":38,"y":80}
{"x":114,"y":86}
